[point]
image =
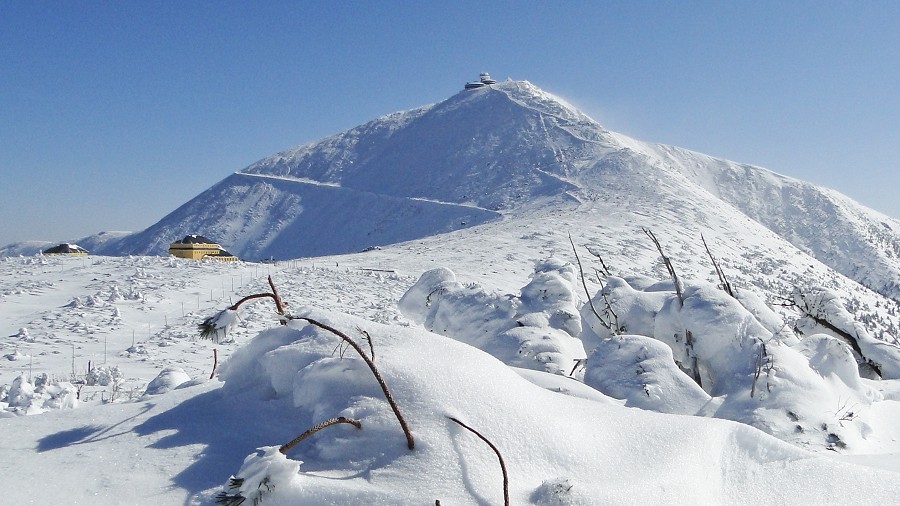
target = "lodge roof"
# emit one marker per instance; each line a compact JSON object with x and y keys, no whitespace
{"x":195,"y":239}
{"x":65,"y":248}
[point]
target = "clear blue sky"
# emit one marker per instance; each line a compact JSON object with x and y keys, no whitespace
{"x":112,"y":114}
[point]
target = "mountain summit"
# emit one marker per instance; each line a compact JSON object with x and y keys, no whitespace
{"x":502,"y":151}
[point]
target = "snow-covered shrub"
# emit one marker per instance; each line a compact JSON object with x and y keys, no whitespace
{"x":28,"y":398}
{"x":263,"y":474}
{"x":537,"y":329}
{"x":59,"y":395}
{"x":21,"y":393}
{"x":103,"y":376}
{"x":821,"y":311}
{"x":635,"y":309}
{"x":559,"y":492}
{"x":641,"y":371}
{"x":218,"y":326}
{"x":23,"y":335}
{"x":748,"y":370}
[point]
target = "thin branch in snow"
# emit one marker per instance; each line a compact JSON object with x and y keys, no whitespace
{"x":578,"y":362}
{"x":584,"y":284}
{"x":499,"y":457}
{"x":596,"y":255}
{"x":679,"y":288}
{"x":387,"y":393}
{"x":722,"y":279}
{"x":316,"y":428}
{"x":368,"y":340}
{"x":587,"y":293}
{"x":215,"y":363}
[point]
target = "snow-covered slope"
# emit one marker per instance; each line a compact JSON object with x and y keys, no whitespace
{"x":852,"y":239}
{"x":263,"y":216}
{"x":511,"y":148}
{"x":482,"y":193}
{"x":148,"y":436}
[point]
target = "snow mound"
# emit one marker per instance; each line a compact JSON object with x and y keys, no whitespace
{"x":558,"y":449}
{"x":168,"y":379}
{"x":537,"y":329}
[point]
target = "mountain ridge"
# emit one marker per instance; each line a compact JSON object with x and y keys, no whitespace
{"x":502,"y":149}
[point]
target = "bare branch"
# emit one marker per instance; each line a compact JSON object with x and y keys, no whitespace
{"x":679,"y":289}
{"x":278,"y":303}
{"x":760,"y":359}
{"x":368,"y":340}
{"x":237,"y":304}
{"x":316,"y":428}
{"x":499,"y":457}
{"x":387,"y":393}
{"x":584,"y":284}
{"x":602,"y":263}
{"x":578,"y":362}
{"x":215,"y":363}
{"x":722,"y":279}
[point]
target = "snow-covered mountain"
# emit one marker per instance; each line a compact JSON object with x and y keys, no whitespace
{"x":527,"y":305}
{"x":500,"y":151}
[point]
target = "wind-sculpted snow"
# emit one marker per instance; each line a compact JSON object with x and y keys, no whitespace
{"x":558,"y":449}
{"x":564,"y":442}
{"x":823,"y":312}
{"x":808,"y":391}
{"x":537,"y":329}
{"x":703,"y":353}
{"x":641,"y":371}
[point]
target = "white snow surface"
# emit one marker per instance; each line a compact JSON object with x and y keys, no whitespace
{"x":563,"y":442}
{"x":472,"y":304}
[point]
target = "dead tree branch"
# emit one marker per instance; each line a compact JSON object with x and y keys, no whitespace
{"x":579,"y":362}
{"x":852,"y":340}
{"x":693,"y":368}
{"x":368,"y":340}
{"x":316,"y":428}
{"x":722,"y":279}
{"x":613,"y":324}
{"x":279,"y":305}
{"x":215,"y":363}
{"x":499,"y":457}
{"x":679,"y":288}
{"x":762,"y":358}
{"x":387,"y":393}
{"x":596,"y":255}
{"x":587,"y":293}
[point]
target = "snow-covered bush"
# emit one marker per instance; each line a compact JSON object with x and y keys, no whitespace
{"x":821,"y":311}
{"x":28,"y":398}
{"x":537,"y":329}
{"x":748,"y":368}
{"x":641,"y":371}
{"x":103,"y":376}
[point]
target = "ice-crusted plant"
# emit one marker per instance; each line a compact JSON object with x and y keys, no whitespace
{"x":268,"y":466}
{"x":222,"y":320}
{"x":258,"y":475}
{"x":226,"y":319}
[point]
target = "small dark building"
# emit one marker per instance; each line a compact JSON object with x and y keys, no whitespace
{"x":65,"y":249}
